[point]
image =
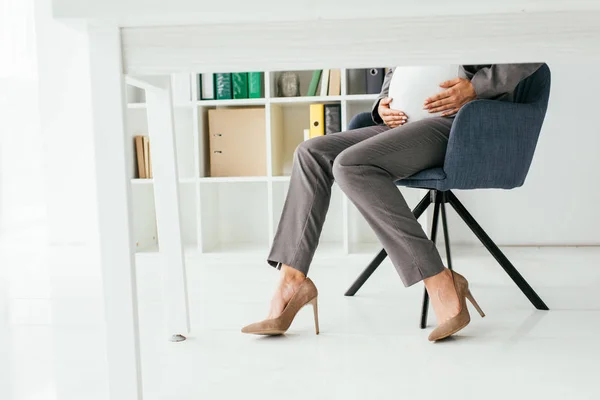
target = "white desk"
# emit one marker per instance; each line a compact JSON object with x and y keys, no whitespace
{"x":183,"y":35}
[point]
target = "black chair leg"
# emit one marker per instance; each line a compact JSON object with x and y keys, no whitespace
{"x":434,"y":225}
{"x":495,"y":251}
{"x":366,"y":274}
{"x":445,"y":227}
{"x":362,"y":278}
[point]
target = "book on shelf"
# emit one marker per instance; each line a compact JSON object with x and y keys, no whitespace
{"x":223,"y":87}
{"x":317,"y":125}
{"x":357,"y":81}
{"x":207,"y":86}
{"x":333,"y":118}
{"x":335,"y":82}
{"x":139,"y":155}
{"x":181,"y":88}
{"x":226,"y":86}
{"x":240,"y":85}
{"x":147,"y":156}
{"x":254,"y":85}
{"x":143,"y":157}
{"x":324,"y":82}
{"x":149,"y":171}
{"x":314,"y":82}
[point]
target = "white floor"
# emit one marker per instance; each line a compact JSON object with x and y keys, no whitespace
{"x":370,"y":346}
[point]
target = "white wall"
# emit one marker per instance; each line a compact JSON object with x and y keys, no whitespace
{"x":21,"y":187}
{"x":559,"y":202}
{"x":66,"y":128}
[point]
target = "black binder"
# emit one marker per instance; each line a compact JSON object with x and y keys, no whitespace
{"x":333,"y":118}
{"x":375,"y":80}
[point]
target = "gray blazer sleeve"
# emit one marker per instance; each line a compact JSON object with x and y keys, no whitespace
{"x":495,"y":80}
{"x":385,"y":88}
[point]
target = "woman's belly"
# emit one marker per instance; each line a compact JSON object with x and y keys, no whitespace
{"x":410,"y":86}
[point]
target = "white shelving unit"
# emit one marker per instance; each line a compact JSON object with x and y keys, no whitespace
{"x":240,"y":214}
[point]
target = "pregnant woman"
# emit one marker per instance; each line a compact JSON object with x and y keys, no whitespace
{"x":365,"y":163}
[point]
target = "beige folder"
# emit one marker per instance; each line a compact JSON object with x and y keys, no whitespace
{"x":237,"y":142}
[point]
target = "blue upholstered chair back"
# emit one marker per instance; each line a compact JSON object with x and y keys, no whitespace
{"x":491,"y":143}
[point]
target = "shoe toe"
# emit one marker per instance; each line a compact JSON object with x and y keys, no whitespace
{"x":266,"y":327}
{"x":250,"y":328}
{"x":434,"y":335}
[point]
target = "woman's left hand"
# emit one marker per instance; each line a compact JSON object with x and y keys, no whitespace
{"x":459,"y":91}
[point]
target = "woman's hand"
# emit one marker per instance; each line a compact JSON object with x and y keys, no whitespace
{"x":458,"y":92}
{"x":391,"y":118}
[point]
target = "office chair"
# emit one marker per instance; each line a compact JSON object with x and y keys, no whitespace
{"x":491,"y":145}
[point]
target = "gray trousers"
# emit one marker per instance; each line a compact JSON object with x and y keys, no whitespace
{"x":365,"y":163}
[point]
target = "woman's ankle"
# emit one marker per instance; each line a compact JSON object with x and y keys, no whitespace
{"x":291,"y":275}
{"x":437,"y":279}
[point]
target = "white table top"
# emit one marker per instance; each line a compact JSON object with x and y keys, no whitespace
{"x":130,"y":13}
{"x":171,"y":36}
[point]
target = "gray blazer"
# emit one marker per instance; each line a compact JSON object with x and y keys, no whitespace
{"x":493,"y":81}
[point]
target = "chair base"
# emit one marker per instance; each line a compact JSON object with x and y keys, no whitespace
{"x":439,"y":199}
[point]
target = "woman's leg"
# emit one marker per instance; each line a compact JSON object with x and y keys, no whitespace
{"x":367,"y":171}
{"x":305,"y":208}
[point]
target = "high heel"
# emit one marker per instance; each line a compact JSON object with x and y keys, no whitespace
{"x":316,"y":314}
{"x":472,"y":300}
{"x":306,"y":294}
{"x":462,"y":319}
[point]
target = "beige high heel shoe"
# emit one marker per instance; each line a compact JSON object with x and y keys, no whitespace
{"x":306,"y":294}
{"x":462,"y":319}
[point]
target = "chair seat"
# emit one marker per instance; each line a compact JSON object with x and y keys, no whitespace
{"x":432,"y":178}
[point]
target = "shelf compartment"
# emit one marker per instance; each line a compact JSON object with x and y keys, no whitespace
{"x":288,"y":122}
{"x":204,"y":140}
{"x":196,"y":79}
{"x":356,"y":81}
{"x":144,"y":216}
{"x":137,"y":124}
{"x":135,"y":95}
{"x":354,"y":108}
{"x":304,"y":79}
{"x":233,"y":215}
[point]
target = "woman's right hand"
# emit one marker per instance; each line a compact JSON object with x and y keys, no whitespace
{"x":392,"y":118}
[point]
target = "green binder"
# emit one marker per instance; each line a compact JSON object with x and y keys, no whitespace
{"x":314,"y":83}
{"x":223,"y":85}
{"x":254,"y":85}
{"x":240,"y":85}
